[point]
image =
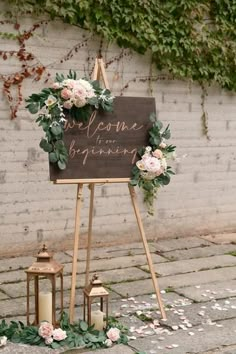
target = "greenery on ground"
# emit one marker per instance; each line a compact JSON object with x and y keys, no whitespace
{"x":194,"y":39}
{"x":78,"y":334}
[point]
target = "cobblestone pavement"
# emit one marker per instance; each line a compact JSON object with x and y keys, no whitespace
{"x":197,"y":277}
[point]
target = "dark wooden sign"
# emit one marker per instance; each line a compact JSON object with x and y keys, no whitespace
{"x":107,"y":145}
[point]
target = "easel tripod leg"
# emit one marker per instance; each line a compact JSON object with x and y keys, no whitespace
{"x":75,"y":252}
{"x":91,"y":187}
{"x":146,"y":248}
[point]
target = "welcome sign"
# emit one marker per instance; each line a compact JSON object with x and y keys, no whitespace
{"x":106,"y":146}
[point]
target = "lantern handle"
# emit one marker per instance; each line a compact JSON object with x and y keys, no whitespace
{"x":95,"y":277}
{"x":43,"y":249}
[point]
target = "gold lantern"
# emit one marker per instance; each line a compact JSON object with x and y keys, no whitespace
{"x":95,"y":291}
{"x":45,"y":302}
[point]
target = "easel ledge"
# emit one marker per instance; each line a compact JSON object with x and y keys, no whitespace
{"x":89,"y":180}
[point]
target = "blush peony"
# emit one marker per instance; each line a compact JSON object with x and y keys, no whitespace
{"x":152,"y":164}
{"x":45,"y":329}
{"x":58,"y":334}
{"x":113,"y":334}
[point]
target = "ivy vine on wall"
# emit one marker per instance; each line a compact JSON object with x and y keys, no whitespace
{"x":194,"y":39}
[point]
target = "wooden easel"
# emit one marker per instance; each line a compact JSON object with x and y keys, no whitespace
{"x":99,"y":71}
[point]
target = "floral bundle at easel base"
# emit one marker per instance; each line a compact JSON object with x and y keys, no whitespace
{"x":77,"y":97}
{"x":78,"y":334}
{"x":151,"y":171}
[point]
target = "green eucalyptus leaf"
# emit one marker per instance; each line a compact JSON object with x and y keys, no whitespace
{"x":61,"y":165}
{"x":33,"y":107}
{"x":53,"y":157}
{"x":56,"y":129}
{"x":83,"y":326}
{"x":55,"y":345}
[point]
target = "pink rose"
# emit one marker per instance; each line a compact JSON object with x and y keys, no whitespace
{"x":158,"y":154}
{"x":48,"y":341}
{"x":58,"y":334}
{"x":45,"y":329}
{"x":162,"y":145}
{"x":113,"y":334}
{"x":66,"y":94}
{"x":56,"y":85}
{"x":68,"y":104}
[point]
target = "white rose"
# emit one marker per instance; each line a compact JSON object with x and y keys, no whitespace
{"x":140,"y":165}
{"x":108,"y":343}
{"x":80,"y":102}
{"x":48,"y":340}
{"x":3,"y":341}
{"x":50,"y":100}
{"x":148,"y":149}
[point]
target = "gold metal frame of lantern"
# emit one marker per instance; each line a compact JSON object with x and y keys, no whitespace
{"x":44,"y":267}
{"x":91,"y":292}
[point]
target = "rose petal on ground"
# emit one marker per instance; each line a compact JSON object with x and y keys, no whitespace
{"x":191,"y":333}
{"x":175,"y":328}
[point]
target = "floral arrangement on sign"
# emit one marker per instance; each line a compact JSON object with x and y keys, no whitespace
{"x":78,"y":98}
{"x":151,"y":171}
{"x":78,"y":334}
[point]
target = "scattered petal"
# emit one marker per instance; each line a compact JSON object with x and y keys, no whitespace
{"x":175,"y":328}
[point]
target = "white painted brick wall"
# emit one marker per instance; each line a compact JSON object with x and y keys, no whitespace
{"x":200,"y":198}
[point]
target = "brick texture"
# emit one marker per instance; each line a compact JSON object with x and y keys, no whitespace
{"x":200,"y":198}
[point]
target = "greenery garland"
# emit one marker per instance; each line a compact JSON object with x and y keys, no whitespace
{"x":194,"y":39}
{"x":78,"y":334}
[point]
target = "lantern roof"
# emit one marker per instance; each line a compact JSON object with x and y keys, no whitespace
{"x":45,"y":264}
{"x":95,"y":288}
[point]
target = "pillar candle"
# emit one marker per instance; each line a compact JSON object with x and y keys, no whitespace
{"x":97,"y":319}
{"x":45,"y":307}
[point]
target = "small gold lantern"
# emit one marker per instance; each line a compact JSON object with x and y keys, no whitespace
{"x":45,"y":302}
{"x":92,"y":292}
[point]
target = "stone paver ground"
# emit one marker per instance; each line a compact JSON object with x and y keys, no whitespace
{"x":197,"y":277}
